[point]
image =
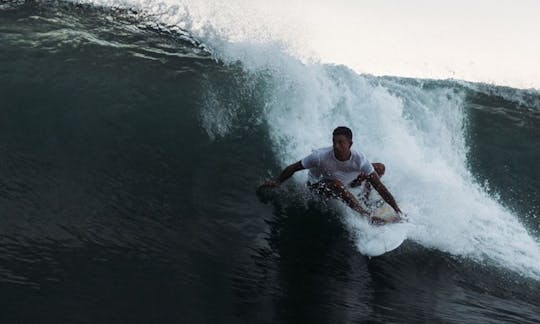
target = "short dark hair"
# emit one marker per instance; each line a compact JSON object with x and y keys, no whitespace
{"x":345,"y":131}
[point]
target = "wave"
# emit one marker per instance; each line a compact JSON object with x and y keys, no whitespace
{"x":420,"y":135}
{"x":419,"y":132}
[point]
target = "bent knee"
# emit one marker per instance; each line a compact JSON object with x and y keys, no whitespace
{"x":380,"y":168}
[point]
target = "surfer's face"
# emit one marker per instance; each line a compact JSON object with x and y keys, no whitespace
{"x":342,"y":147}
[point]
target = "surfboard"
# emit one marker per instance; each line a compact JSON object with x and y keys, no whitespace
{"x":383,"y":238}
{"x":384,"y":213}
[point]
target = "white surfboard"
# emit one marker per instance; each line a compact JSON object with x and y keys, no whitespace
{"x":386,"y":237}
{"x":385,"y":213}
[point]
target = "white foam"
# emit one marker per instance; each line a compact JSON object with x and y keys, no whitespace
{"x":418,"y":133}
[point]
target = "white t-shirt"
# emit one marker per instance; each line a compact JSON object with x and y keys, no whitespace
{"x":323,"y":164}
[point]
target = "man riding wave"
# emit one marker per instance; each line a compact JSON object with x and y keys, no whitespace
{"x":333,"y":169}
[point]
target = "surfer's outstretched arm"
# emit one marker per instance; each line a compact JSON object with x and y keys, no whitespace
{"x":285,"y":174}
{"x":375,"y":181}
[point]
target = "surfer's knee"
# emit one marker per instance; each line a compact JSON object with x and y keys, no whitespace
{"x":332,"y":188}
{"x":380,"y":168}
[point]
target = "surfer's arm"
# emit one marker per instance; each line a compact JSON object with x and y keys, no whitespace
{"x":285,"y":174}
{"x":375,"y":181}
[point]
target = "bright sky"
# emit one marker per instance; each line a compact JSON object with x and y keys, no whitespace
{"x":495,"y":41}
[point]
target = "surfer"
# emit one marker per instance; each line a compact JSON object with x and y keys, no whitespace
{"x":333,"y":169}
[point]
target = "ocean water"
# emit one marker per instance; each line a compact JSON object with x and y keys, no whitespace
{"x":132,"y":142}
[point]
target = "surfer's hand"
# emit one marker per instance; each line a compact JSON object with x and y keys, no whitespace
{"x":400,"y":217}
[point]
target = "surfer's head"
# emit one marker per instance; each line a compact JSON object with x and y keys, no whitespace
{"x":342,"y":141}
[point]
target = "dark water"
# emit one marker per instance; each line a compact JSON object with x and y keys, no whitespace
{"x":118,"y":205}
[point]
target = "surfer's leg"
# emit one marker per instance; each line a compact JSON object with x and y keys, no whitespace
{"x":380,"y":168}
{"x":336,"y":189}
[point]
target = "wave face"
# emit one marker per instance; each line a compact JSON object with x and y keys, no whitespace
{"x":133,"y":140}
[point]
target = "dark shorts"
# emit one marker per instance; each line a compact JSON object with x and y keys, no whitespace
{"x":324,"y":187}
